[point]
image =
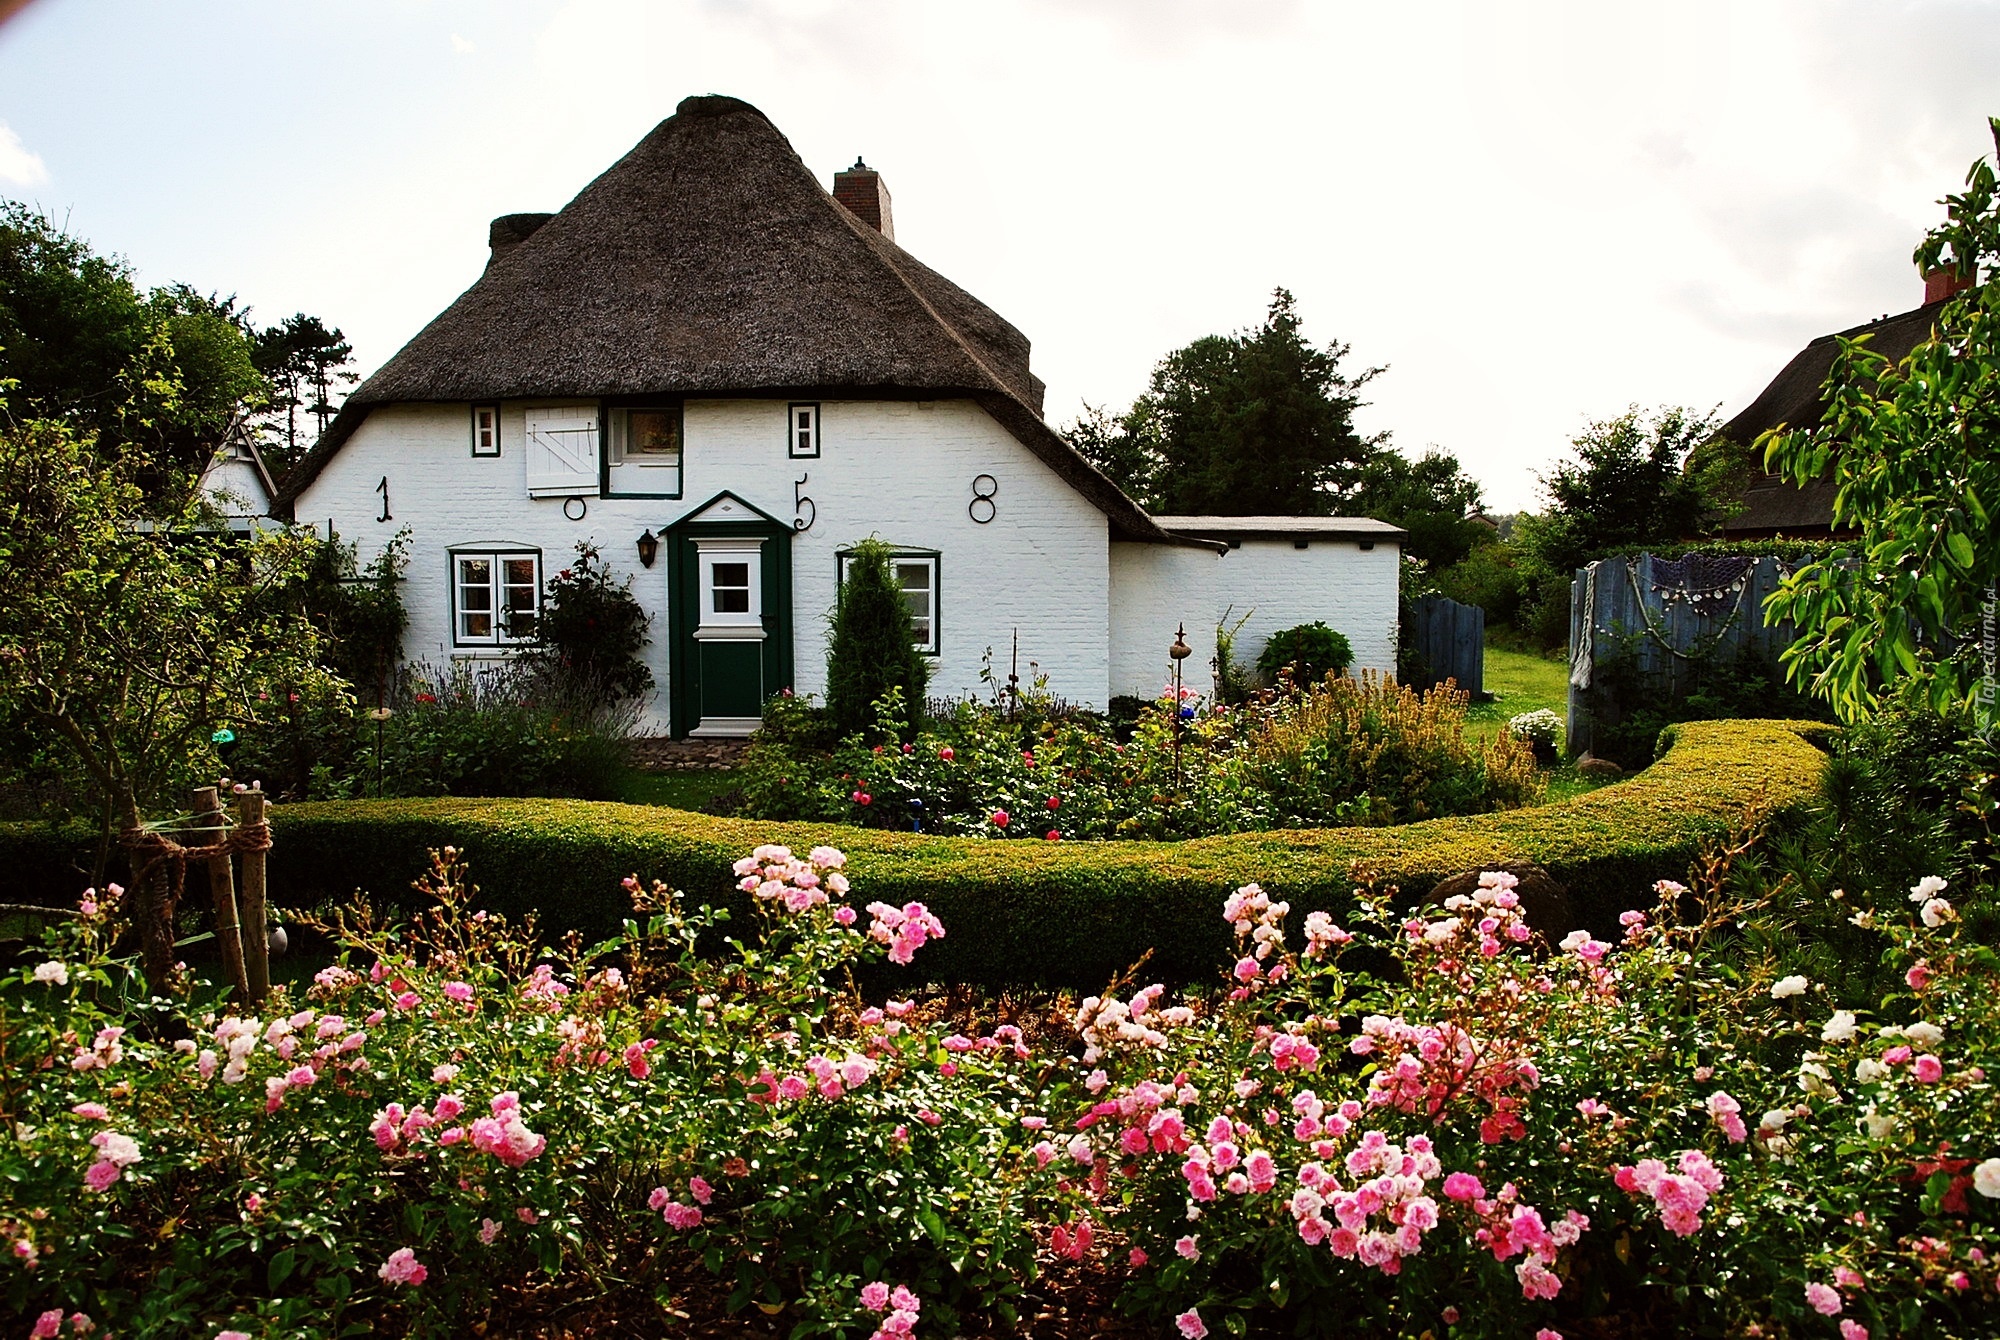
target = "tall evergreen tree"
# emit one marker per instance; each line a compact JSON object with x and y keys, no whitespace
{"x":1247,"y":424}
{"x":307,"y":363}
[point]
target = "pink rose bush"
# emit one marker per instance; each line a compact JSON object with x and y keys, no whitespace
{"x":1399,"y":1116}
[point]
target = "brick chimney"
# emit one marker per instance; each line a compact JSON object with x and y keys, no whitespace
{"x":860,"y":188}
{"x":1942,"y":284}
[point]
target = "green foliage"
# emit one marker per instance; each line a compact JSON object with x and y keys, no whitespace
{"x":1909,"y":447}
{"x":872,"y":646}
{"x":306,"y":363}
{"x":134,"y":629}
{"x":359,"y":611}
{"x":1489,"y":577}
{"x":1628,"y":486}
{"x":1628,"y":710}
{"x":162,"y":373}
{"x":1340,"y":753}
{"x":1309,"y":653}
{"x":1056,"y":913}
{"x":537,"y":1120}
{"x":1431,"y":497}
{"x":1260,"y":422}
{"x":592,"y":629}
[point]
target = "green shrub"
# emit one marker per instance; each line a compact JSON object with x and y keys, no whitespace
{"x":1063,"y":913}
{"x":872,"y":648}
{"x":591,"y":629}
{"x":1340,"y":752}
{"x":1309,"y":653}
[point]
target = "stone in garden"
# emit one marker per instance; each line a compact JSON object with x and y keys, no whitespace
{"x":1544,"y":902}
{"x":1592,"y":766}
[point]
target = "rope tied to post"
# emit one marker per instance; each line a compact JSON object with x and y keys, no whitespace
{"x":149,"y":845}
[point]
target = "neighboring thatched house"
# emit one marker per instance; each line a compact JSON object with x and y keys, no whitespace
{"x":1772,"y":507}
{"x":723,"y":376}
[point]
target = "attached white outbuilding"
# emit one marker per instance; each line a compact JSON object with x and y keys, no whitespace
{"x":724,"y":376}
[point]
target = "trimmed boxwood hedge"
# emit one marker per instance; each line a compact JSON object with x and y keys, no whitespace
{"x":1028,"y":911}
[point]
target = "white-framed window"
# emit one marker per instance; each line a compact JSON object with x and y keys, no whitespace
{"x":732,"y":588}
{"x":802,"y":431}
{"x":643,"y":451}
{"x":917,"y":572}
{"x":496,"y":595}
{"x":486,"y":430}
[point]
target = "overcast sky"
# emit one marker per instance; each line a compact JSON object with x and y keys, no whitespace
{"x":1533,"y":213}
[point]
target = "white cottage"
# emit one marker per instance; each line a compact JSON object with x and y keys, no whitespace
{"x":725,"y":376}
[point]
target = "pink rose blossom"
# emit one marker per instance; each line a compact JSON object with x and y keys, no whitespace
{"x":1191,"y":1325}
{"x":1851,"y":1329}
{"x":1823,"y":1299}
{"x":1188,"y":1248}
{"x":1927,"y":1069}
{"x":402,"y":1267}
{"x":1137,"y":1257}
{"x":48,"y":1324}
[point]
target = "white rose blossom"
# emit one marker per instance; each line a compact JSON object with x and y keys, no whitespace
{"x":1795,"y":985}
{"x":1840,"y":1028}
{"x":1986,"y":1179}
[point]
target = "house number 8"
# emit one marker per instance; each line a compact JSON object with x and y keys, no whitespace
{"x":982,"y":508}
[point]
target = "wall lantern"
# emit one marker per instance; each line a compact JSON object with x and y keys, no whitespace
{"x":649,"y":549}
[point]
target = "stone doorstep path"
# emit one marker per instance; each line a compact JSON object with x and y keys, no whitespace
{"x":658,"y":754}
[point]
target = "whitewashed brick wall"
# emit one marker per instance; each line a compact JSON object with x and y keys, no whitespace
{"x":1155,"y":588}
{"x":900,"y":470}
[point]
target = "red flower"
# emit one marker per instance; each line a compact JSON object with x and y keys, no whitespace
{"x":1054,"y":836}
{"x":1055,"y":802}
{"x":999,"y":818}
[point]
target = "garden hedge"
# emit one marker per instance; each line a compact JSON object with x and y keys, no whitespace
{"x":1031,"y":911}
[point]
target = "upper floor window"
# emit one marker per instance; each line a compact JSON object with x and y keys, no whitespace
{"x":486,"y":430}
{"x":804,"y":430}
{"x":644,"y":457}
{"x":495,"y":596}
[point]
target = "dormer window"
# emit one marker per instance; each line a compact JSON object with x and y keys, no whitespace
{"x":803,"y":428}
{"x":644,"y":460}
{"x":486,"y":430}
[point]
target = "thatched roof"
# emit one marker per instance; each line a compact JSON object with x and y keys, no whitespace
{"x":1770,"y":505}
{"x":706,"y":262}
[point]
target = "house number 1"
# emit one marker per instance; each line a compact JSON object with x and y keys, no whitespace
{"x":383,"y":489}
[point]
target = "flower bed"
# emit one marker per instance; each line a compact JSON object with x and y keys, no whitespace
{"x":1500,"y":1138}
{"x":1054,"y":913}
{"x":1343,"y":752}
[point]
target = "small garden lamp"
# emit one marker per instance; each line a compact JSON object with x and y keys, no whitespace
{"x":649,"y":548}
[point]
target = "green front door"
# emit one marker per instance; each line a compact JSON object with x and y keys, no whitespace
{"x":729,"y":604}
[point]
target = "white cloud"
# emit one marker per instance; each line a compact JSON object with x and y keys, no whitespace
{"x":19,"y":166}
{"x":462,"y":45}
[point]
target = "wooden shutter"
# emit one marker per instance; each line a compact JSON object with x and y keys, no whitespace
{"x":562,"y":451}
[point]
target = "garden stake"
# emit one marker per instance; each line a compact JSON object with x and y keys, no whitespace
{"x":222,"y":889}
{"x":255,"y":835}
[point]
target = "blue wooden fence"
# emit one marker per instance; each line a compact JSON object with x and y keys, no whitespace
{"x":1668,"y":615}
{"x":1450,"y":639}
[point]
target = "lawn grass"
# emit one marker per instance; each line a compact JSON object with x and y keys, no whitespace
{"x":1522,"y":681}
{"x":677,"y":790}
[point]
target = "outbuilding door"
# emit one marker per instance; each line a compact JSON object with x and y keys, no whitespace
{"x":729,"y":605}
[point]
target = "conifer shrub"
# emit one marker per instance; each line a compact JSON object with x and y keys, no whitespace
{"x":873,"y":644}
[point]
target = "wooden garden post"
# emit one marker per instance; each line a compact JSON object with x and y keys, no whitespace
{"x":256,"y":944}
{"x":222,"y":889}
